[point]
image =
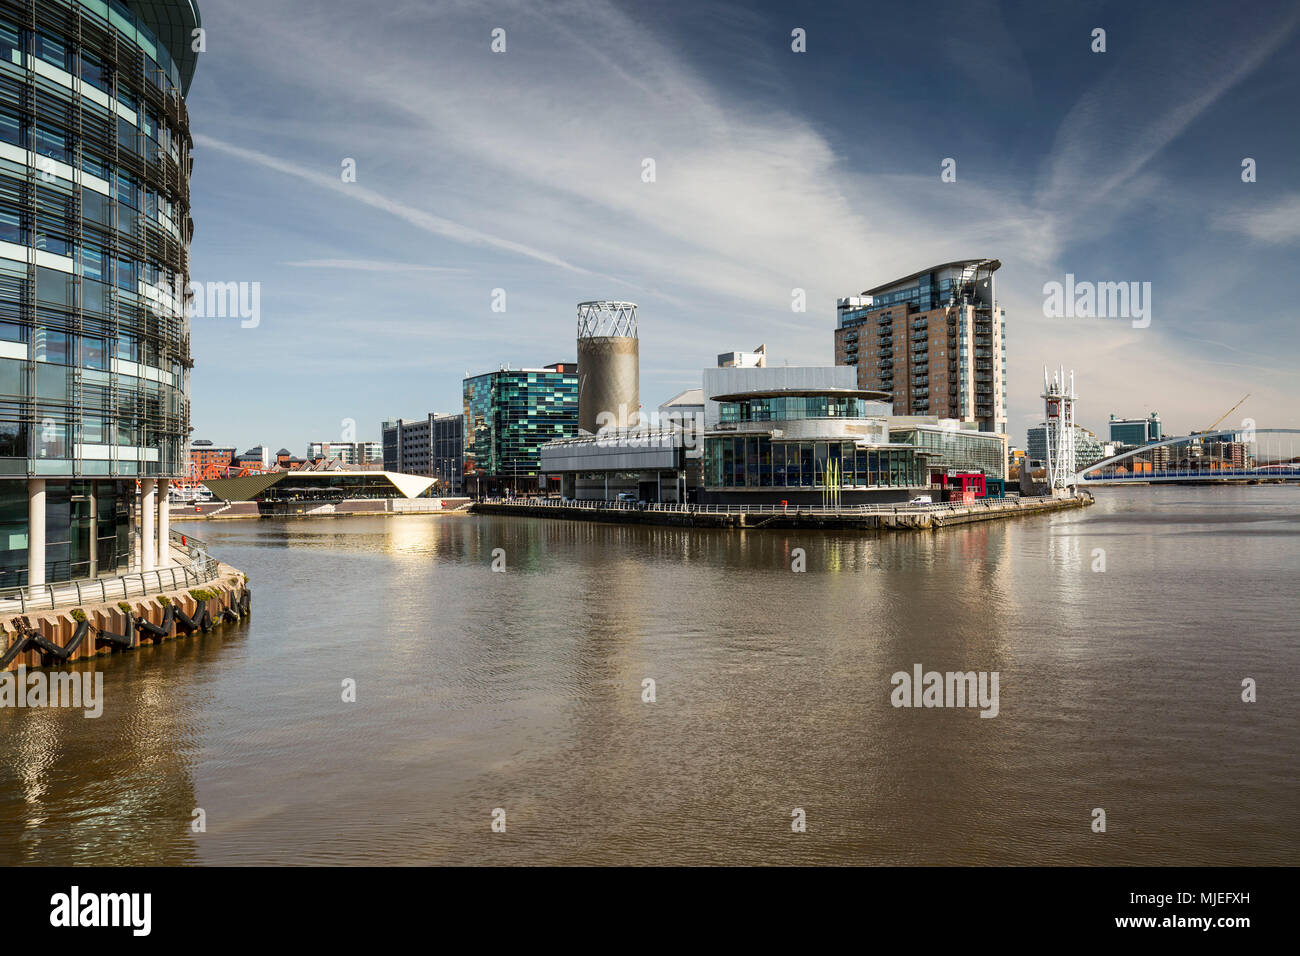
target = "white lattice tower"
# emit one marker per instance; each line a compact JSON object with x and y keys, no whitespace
{"x":1058,"y":399}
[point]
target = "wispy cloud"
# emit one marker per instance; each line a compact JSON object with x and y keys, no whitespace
{"x":1277,"y":223}
{"x":372,"y":265}
{"x":428,"y":222}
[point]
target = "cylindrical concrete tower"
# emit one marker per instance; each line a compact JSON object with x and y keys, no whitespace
{"x":609,"y":366}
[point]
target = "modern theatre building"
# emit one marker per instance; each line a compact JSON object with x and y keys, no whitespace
{"x":781,"y":434}
{"x":94,"y":240}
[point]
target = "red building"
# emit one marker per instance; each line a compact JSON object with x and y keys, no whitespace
{"x":205,"y":455}
{"x":960,"y":485}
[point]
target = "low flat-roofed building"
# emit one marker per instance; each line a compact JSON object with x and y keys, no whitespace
{"x":654,"y":464}
{"x":319,"y":486}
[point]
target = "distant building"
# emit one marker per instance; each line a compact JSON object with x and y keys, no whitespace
{"x":257,"y":456}
{"x":754,"y":359}
{"x":1088,"y":448}
{"x":1136,"y":431}
{"x":288,"y":460}
{"x":347,"y":452}
{"x":509,"y":415}
{"x":684,"y":405}
{"x":433,"y":446}
{"x":205,"y":455}
{"x":933,"y":341}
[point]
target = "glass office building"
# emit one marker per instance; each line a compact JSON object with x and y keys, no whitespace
{"x":509,"y":415}
{"x":1136,"y":431}
{"x":957,"y":449}
{"x":1088,"y":448}
{"x":94,"y":246}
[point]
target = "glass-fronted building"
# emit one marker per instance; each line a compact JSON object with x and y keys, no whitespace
{"x":956,"y":449}
{"x":94,"y":242}
{"x":1136,"y":431}
{"x":509,"y":415}
{"x":788,"y":444}
{"x":1088,"y":448}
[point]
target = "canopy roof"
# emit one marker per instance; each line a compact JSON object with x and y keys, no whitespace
{"x":249,"y":487}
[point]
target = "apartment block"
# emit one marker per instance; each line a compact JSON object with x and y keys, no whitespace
{"x":934,"y":341}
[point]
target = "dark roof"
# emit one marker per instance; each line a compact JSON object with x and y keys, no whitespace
{"x":173,"y":23}
{"x":988,"y":265}
{"x":867,"y":394}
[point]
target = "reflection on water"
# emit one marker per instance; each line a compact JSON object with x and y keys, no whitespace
{"x":475,"y":690}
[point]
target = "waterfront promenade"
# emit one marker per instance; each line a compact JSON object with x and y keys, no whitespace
{"x":82,"y":619}
{"x":878,"y":517}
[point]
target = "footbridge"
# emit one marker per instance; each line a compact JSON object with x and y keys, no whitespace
{"x":1241,"y":455}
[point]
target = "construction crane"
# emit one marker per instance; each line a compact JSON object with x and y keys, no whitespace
{"x":1225,"y":415}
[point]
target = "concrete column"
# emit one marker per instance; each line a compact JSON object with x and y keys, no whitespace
{"x":35,"y":531}
{"x":148,"y":509}
{"x":164,"y":525}
{"x":94,"y":529}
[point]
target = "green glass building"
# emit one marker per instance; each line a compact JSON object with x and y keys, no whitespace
{"x":509,"y":415}
{"x":94,"y":240}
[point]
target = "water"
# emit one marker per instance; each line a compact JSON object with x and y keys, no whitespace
{"x":522,"y":690}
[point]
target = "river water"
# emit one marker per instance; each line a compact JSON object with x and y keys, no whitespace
{"x":1119,"y":689}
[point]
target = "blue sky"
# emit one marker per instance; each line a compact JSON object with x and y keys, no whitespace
{"x":775,"y":170}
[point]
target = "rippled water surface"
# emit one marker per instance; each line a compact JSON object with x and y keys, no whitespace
{"x":523,"y":690}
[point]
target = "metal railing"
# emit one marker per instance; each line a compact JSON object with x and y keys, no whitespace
{"x":201,"y":570}
{"x":768,"y":509}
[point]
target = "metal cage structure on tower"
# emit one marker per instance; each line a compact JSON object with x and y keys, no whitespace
{"x":606,"y":319}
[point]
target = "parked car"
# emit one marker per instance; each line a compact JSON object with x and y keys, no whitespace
{"x":921,"y":500}
{"x":626,"y":496}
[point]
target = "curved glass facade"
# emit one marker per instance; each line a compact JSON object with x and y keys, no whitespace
{"x":786,"y":408}
{"x":755,"y":461}
{"x":94,"y":246}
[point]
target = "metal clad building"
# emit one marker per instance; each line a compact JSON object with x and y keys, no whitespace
{"x":609,"y":375}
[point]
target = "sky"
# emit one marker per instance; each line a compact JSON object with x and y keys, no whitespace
{"x":774,"y":170}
